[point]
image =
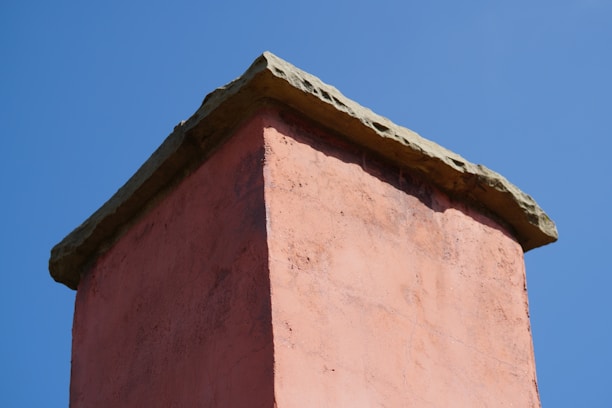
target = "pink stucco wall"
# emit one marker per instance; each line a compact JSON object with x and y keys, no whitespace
{"x":176,"y":313}
{"x":385,"y":292}
{"x":292,"y":270}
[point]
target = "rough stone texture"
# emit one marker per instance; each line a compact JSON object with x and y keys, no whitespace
{"x":271,"y":80}
{"x":386,"y":292}
{"x":177,"y":312}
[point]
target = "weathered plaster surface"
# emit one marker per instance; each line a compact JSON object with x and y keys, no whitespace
{"x":296,"y":269}
{"x":177,"y":312}
{"x":385,"y":292}
{"x":272,"y":79}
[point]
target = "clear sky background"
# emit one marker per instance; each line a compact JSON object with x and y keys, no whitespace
{"x":90,"y":89}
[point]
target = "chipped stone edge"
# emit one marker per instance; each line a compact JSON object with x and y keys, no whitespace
{"x":271,"y":78}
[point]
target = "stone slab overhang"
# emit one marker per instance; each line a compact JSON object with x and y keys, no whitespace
{"x":272,"y":80}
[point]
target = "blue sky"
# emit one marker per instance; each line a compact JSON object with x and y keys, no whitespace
{"x":90,"y":89}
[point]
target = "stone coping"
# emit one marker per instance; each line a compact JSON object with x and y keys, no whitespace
{"x":271,"y":78}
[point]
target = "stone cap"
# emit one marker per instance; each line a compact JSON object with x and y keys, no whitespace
{"x":271,"y":78}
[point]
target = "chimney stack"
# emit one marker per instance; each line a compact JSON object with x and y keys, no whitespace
{"x":286,"y":247}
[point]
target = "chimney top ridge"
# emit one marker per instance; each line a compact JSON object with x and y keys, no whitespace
{"x":270,"y":78}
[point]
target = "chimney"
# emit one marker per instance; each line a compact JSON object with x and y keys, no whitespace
{"x":286,"y":247}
